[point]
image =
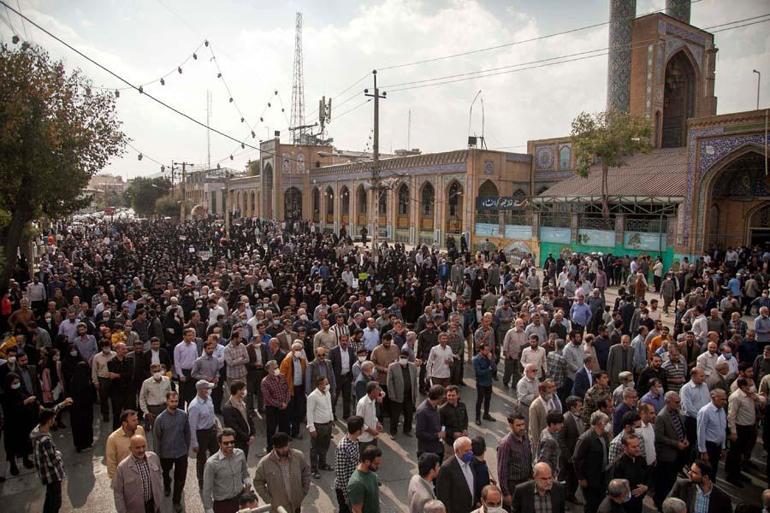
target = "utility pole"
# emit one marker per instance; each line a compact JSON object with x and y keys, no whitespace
{"x":376,"y":187}
{"x":183,"y":214}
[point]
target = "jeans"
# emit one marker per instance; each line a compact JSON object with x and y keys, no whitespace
{"x":52,"y":497}
{"x":180,"y":475}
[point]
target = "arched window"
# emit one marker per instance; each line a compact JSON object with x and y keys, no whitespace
{"x":403,"y":200}
{"x":427,"y":200}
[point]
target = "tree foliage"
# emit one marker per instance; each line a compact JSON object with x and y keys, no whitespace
{"x":144,"y":193}
{"x":56,"y":132}
{"x":607,"y":137}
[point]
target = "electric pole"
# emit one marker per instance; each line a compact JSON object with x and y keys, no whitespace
{"x":376,"y":187}
{"x":183,"y":214}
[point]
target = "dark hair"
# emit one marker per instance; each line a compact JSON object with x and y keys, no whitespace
{"x":369,"y":453}
{"x":554,"y":417}
{"x":436,"y":392}
{"x":629,"y":418}
{"x":225,"y":432}
{"x":45,"y":415}
{"x":125,"y":414}
{"x":280,"y":440}
{"x":427,"y":462}
{"x":573,"y":401}
{"x":236,"y":387}
{"x":355,"y":423}
{"x":704,"y":466}
{"x":478,"y":445}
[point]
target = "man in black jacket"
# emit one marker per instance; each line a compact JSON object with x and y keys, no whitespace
{"x":238,"y":418}
{"x":699,"y":482}
{"x":590,"y":461}
{"x":454,"y":484}
{"x":343,"y":357}
{"x":632,"y":466}
{"x":541,"y":486}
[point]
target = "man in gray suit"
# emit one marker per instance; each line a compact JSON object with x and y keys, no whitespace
{"x":402,"y":392}
{"x":671,"y":446}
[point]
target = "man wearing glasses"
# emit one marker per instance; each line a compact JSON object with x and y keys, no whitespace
{"x":225,"y":476}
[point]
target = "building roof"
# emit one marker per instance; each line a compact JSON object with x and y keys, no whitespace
{"x":661,"y":173}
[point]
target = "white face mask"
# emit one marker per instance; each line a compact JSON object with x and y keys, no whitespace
{"x":157,"y":375}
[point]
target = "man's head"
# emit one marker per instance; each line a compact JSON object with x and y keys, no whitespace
{"x":129,"y":420}
{"x":492,"y":498}
{"x":138,"y":446}
{"x":226,"y":440}
{"x":517,"y":425}
{"x":371,"y":457}
{"x":699,"y":472}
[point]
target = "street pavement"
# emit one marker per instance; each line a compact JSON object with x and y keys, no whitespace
{"x":87,"y":487}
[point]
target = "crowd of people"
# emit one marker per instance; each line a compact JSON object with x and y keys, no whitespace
{"x":192,"y":342}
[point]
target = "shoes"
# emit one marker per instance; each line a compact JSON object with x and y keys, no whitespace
{"x":735,"y":481}
{"x":478,"y":421}
{"x":316,"y":475}
{"x":28,"y":463}
{"x":489,"y":417}
{"x":326,"y":466}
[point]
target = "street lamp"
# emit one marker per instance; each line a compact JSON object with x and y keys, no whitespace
{"x":759,"y":79}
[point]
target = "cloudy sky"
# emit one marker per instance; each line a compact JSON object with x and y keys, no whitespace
{"x":253,"y":42}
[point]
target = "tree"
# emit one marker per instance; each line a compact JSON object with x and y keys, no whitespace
{"x":607,"y":137}
{"x":56,"y":132}
{"x":168,"y":206}
{"x":144,"y":193}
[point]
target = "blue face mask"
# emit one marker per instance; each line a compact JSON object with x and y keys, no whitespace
{"x":467,"y":457}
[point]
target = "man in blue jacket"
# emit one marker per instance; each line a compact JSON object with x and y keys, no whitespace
{"x":484,"y":367}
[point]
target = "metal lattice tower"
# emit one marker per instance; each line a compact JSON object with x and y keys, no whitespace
{"x":298,"y":87}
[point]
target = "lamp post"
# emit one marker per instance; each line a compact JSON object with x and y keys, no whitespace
{"x":759,"y":80}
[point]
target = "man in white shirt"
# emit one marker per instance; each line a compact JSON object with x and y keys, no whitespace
{"x":367,"y":409}
{"x":440,"y":360}
{"x":536,"y":355}
{"x":319,"y":425}
{"x":647,"y":431}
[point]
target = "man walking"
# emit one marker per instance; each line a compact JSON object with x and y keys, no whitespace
{"x":282,"y":477}
{"x":171,"y":433}
{"x":142,"y":494}
{"x":319,"y":424}
{"x":203,"y":429}
{"x":225,"y":476}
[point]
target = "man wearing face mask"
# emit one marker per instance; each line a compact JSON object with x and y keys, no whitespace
{"x":152,"y":396}
{"x":402,"y":392}
{"x":319,"y":425}
{"x":275,"y":394}
{"x":454,"y":484}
